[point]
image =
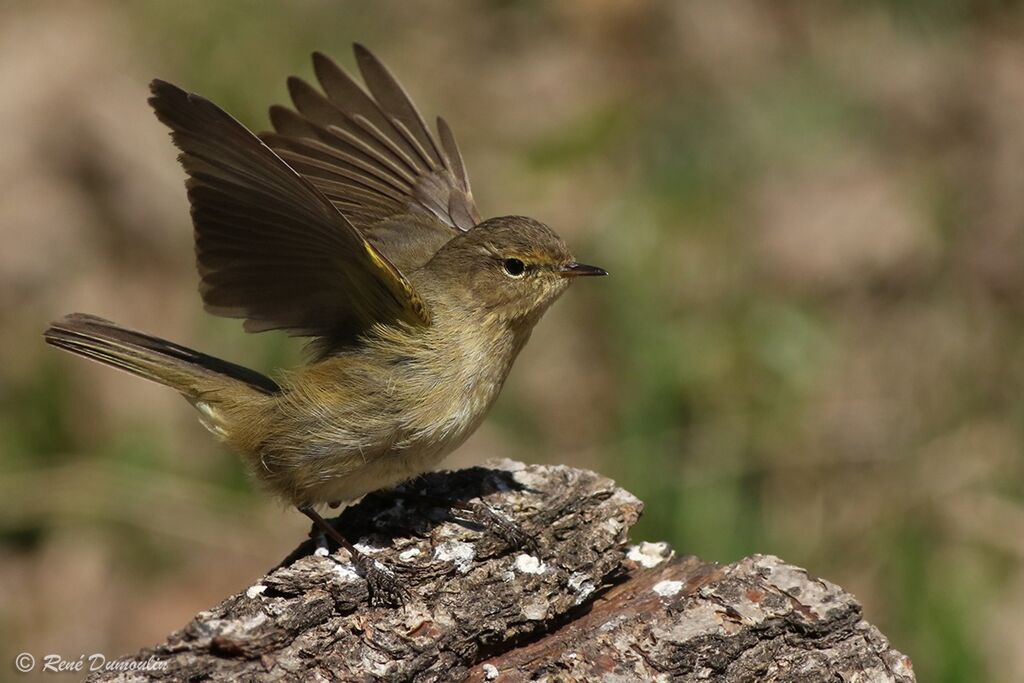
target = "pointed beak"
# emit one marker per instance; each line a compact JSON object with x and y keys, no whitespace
{"x":581,"y":270}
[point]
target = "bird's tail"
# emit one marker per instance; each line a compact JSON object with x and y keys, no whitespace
{"x":193,"y":374}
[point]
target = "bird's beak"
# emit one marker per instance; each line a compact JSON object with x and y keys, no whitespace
{"x":581,"y":270}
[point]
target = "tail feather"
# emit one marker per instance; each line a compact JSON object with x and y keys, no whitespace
{"x":189,"y":372}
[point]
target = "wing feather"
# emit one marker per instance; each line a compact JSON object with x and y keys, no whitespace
{"x":270,"y":247}
{"x":371,"y":153}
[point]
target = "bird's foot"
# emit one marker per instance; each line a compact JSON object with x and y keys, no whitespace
{"x":478,"y":513}
{"x":486,"y":516}
{"x":382,"y":583}
{"x":385,"y":588}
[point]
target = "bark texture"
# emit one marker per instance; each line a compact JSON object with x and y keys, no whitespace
{"x":583,"y":606}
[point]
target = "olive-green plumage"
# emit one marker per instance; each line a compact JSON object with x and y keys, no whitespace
{"x":351,"y":224}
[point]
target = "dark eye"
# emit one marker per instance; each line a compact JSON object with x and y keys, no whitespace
{"x":513,"y":267}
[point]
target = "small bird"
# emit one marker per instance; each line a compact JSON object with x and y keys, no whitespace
{"x":353,"y":225}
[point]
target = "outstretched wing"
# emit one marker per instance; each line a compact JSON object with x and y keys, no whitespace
{"x":372,"y":155}
{"x":269,"y":246}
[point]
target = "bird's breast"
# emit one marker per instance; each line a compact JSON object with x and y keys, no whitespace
{"x":454,"y":394}
{"x":356,"y":424}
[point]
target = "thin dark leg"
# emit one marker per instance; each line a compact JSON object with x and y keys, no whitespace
{"x":383,"y":584}
{"x":478,"y":513}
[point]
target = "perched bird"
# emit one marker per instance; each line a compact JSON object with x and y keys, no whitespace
{"x":354,"y":225}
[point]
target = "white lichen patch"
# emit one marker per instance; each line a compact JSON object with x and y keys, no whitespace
{"x":528,"y":564}
{"x":457,"y":552}
{"x":366,"y":549}
{"x":407,"y":555}
{"x":253,"y":591}
{"x":667,"y":589}
{"x":346,"y":572}
{"x":490,"y":671}
{"x":649,"y":554}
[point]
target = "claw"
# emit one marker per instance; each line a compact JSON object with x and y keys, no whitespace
{"x":505,"y":528}
{"x":384,"y":586}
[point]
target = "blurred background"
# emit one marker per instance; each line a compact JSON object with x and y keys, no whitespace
{"x":811,"y":343}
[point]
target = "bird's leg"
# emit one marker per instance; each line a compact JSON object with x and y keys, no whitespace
{"x":479,"y":513}
{"x":317,"y":534}
{"x":384,"y":586}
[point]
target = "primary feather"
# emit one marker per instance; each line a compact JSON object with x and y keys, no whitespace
{"x":371,"y":153}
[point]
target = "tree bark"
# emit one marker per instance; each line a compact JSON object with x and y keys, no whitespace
{"x":582,"y":607}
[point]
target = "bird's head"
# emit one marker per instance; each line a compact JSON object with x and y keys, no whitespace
{"x":510,"y":268}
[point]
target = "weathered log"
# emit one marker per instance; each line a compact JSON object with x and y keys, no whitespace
{"x":584,"y":607}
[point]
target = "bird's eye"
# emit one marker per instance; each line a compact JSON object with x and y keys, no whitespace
{"x":513,"y":267}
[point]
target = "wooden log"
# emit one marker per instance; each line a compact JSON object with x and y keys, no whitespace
{"x":584,"y":606}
